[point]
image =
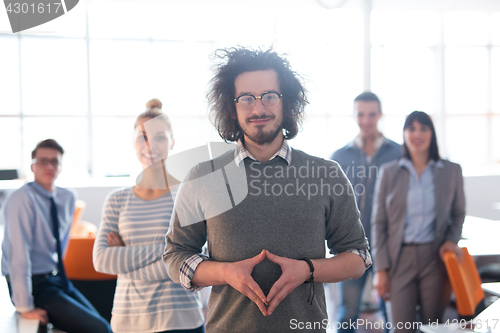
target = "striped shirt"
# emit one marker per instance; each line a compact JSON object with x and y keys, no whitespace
{"x":146,"y":300}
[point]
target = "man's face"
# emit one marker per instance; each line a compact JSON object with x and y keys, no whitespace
{"x":47,"y":166}
{"x":367,"y":115}
{"x":260,"y":125}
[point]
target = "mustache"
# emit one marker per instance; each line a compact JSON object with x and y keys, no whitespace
{"x":260,"y":117}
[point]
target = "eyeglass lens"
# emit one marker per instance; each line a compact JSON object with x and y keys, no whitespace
{"x":269,"y":100}
{"x":45,"y":161}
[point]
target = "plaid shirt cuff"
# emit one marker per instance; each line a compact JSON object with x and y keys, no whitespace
{"x":364,"y":254}
{"x":187,"y":271}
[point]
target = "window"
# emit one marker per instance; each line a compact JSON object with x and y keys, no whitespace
{"x":443,"y":67}
{"x":9,"y":78}
{"x":83,"y":78}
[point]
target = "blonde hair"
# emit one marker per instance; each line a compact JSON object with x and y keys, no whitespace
{"x":153,"y":110}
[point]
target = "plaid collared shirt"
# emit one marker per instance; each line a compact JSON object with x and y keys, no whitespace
{"x":188,"y":267}
{"x":241,"y":153}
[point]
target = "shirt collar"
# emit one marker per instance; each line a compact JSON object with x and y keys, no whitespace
{"x":42,"y":191}
{"x":404,"y":162}
{"x":379,"y":142}
{"x":285,"y":152}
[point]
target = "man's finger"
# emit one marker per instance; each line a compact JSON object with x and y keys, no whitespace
{"x":274,"y":258}
{"x":277,"y":286}
{"x":254,"y":298}
{"x":258,"y":258}
{"x":280,"y":295}
{"x":44,"y":319}
{"x":255,"y":288}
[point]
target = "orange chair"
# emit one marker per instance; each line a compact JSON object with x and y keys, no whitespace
{"x":78,"y":260}
{"x":465,"y":282}
{"x":79,"y":209}
{"x":97,"y":287}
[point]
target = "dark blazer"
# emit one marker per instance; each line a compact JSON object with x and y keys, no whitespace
{"x":389,"y":210}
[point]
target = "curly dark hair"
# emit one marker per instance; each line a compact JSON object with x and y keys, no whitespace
{"x":236,"y":60}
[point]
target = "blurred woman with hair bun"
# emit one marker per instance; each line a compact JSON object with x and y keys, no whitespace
{"x":131,"y":240}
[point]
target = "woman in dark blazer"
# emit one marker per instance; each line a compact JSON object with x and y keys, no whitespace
{"x":418,"y":212}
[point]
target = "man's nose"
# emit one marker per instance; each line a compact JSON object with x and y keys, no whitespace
{"x":51,"y":166}
{"x":258,"y":107}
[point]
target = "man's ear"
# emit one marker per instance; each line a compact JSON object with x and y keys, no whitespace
{"x":31,"y":167}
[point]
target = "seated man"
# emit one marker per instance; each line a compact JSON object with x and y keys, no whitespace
{"x":37,"y":221}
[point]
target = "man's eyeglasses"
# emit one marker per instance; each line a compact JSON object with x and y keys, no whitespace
{"x":268,"y":99}
{"x":45,"y":161}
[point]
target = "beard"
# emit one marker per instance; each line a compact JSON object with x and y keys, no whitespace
{"x":263,"y":137}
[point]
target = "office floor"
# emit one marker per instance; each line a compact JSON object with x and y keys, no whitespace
{"x":371,"y":317}
{"x":374,"y":321}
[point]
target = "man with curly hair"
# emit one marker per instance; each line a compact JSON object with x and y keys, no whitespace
{"x":266,"y":259}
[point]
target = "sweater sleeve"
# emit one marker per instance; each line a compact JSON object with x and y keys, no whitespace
{"x":344,"y":229}
{"x":184,"y":241}
{"x":120,"y":259}
{"x":183,"y":250}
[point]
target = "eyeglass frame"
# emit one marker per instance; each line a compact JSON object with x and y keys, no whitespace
{"x":49,"y":161}
{"x":260,"y":97}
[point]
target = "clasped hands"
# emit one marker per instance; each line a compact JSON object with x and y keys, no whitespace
{"x":238,"y":276}
{"x":294,"y":273}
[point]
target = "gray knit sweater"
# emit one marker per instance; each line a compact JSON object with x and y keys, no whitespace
{"x":289,"y":210}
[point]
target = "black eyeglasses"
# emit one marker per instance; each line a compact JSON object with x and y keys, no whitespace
{"x":46,"y":161}
{"x":268,"y":99}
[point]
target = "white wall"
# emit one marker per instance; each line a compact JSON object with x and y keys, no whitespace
{"x":482,"y":195}
{"x":94,"y":198}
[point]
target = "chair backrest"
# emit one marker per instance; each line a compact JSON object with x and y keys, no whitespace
{"x":79,"y":209}
{"x":78,"y":260}
{"x":465,"y":282}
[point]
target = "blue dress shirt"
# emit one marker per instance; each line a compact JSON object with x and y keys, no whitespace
{"x":420,"y":204}
{"x":363,"y":170}
{"x":29,"y":246}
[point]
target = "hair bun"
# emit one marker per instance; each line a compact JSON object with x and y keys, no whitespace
{"x":154,"y":103}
